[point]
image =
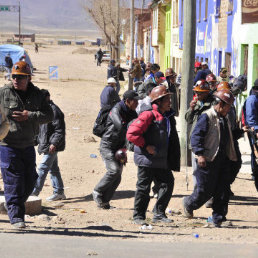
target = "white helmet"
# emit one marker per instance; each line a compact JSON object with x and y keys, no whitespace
{"x":111,"y":80}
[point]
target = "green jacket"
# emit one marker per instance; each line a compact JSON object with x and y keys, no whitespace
{"x":22,"y":134}
{"x":192,"y":116}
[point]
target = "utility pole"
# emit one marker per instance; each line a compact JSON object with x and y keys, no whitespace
{"x":130,"y":83}
{"x":118,"y":31}
{"x":19,"y":23}
{"x":189,"y":35}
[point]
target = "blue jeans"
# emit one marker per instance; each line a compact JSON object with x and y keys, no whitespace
{"x":18,"y":169}
{"x":49,"y":164}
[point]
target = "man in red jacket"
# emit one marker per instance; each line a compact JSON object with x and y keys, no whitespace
{"x":156,"y":153}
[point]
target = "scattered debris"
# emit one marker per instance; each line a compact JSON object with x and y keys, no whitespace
{"x":91,"y":253}
{"x":146,"y":227}
{"x":43,"y":217}
{"x":89,"y":139}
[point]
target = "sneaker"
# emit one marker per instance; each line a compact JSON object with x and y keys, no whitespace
{"x":56,"y":197}
{"x":97,"y":198}
{"x":211,"y":223}
{"x":188,"y":213}
{"x":162,"y":219}
{"x":139,"y":221}
{"x":19,"y":225}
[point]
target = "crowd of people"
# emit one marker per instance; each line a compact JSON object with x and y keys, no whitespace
{"x":142,"y":121}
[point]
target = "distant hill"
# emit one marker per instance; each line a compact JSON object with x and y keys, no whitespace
{"x":50,"y":16}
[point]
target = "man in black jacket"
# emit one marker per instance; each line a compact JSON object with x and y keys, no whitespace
{"x":51,"y":140}
{"x":112,"y":140}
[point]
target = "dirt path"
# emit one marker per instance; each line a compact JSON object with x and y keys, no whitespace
{"x":77,"y":93}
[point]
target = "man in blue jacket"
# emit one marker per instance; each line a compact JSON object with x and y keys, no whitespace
{"x":109,"y":97}
{"x":202,"y":74}
{"x":51,"y":140}
{"x":212,"y":143}
{"x":251,"y":117}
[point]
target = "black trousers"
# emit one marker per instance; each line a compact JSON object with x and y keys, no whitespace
{"x":212,"y":181}
{"x":146,"y":175}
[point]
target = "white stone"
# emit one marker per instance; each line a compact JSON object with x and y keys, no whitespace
{"x":32,"y":206}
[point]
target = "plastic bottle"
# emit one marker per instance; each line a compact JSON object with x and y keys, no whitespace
{"x":196,"y":235}
{"x":93,"y":156}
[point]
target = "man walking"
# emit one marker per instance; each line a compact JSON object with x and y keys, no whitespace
{"x":198,"y":105}
{"x":212,"y":143}
{"x":113,"y":140}
{"x":25,"y":107}
{"x":156,"y":153}
{"x":51,"y":140}
{"x":99,"y":56}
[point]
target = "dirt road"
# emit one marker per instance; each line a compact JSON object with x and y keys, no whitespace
{"x":77,"y":94}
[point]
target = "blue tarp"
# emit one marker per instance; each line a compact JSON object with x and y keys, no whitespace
{"x":16,"y":52}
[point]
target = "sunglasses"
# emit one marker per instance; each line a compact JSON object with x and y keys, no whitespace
{"x":19,"y":76}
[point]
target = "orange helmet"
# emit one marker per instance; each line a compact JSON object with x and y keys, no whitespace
{"x":201,"y":86}
{"x":226,"y":96}
{"x":211,"y":78}
{"x":158,"y":92}
{"x":22,"y":68}
{"x":223,"y":86}
{"x":170,"y":72}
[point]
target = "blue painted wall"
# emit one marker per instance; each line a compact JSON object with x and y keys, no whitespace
{"x":205,"y":44}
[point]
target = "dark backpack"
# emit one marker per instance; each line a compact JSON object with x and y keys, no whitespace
{"x":99,"y":127}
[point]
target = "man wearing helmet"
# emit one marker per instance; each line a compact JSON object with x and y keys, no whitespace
{"x":173,"y":88}
{"x":156,"y":153}
{"x":211,"y":79}
{"x":198,"y":105}
{"x":212,"y":143}
{"x":25,"y":107}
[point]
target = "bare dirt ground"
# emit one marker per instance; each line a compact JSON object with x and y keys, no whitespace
{"x":77,"y":94}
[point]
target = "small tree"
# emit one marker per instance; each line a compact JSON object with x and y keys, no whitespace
{"x":105,"y":14}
